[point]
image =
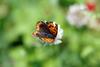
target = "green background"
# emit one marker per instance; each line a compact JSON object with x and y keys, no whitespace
{"x":79,"y":47}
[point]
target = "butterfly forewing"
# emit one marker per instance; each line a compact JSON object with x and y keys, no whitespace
{"x":53,"y":28}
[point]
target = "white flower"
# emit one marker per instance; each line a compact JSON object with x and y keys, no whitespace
{"x":59,"y":35}
{"x":78,"y":15}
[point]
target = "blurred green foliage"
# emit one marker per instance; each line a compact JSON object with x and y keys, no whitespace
{"x":66,"y":3}
{"x":80,"y":47}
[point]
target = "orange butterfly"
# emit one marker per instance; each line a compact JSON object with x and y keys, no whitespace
{"x":46,"y":31}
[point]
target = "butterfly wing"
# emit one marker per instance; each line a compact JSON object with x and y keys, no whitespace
{"x":46,"y":31}
{"x":48,"y":40}
{"x":42,"y":30}
{"x":53,"y":28}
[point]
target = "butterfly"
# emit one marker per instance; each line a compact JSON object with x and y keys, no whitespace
{"x":46,"y":31}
